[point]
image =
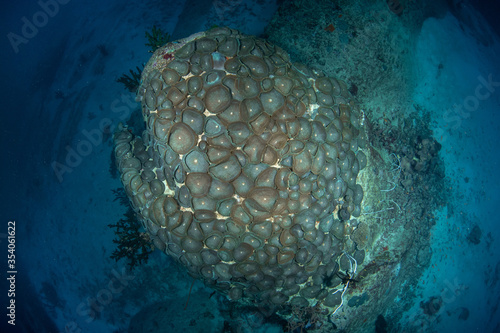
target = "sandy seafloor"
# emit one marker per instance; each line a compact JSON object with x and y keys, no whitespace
{"x":59,"y":87}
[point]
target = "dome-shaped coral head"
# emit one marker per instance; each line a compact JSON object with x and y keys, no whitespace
{"x":247,"y":170}
{"x":167,"y":51}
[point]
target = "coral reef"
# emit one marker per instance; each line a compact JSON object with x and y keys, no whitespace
{"x":247,"y":164}
{"x":252,"y":172}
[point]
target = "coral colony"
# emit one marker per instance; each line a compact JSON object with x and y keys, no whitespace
{"x":247,"y":171}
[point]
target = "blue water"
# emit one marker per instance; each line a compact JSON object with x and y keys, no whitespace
{"x":60,"y":61}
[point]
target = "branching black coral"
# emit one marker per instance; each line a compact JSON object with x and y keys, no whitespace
{"x":131,"y":82}
{"x":156,"y":38}
{"x":132,"y":243}
{"x":121,"y":196}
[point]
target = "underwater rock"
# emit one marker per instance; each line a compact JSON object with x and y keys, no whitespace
{"x":432,"y":305}
{"x":243,"y":155}
{"x":474,"y":236}
{"x":464,"y":313}
{"x":380,"y":325}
